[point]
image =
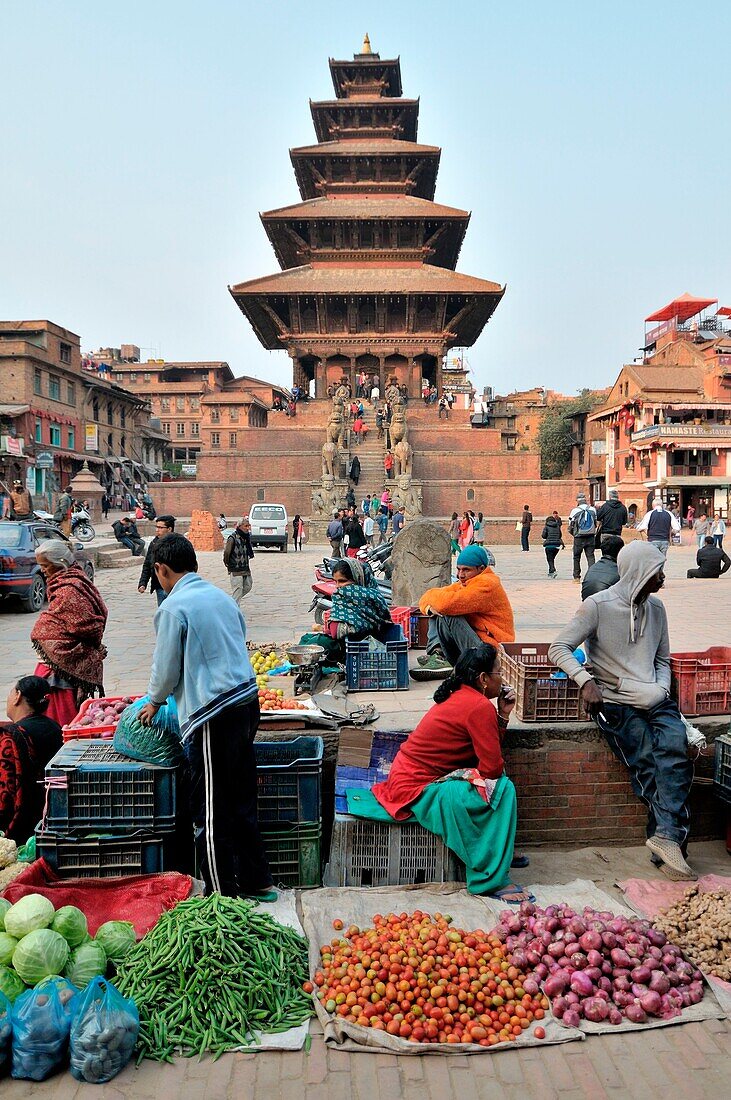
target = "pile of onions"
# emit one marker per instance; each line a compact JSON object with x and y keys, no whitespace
{"x":597,"y":966}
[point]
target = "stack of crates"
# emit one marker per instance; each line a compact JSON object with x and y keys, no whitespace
{"x":107,"y":815}
{"x":380,"y":853}
{"x":373,"y":665}
{"x":289,"y":797}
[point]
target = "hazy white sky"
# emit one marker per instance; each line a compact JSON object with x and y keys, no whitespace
{"x":140,"y":140}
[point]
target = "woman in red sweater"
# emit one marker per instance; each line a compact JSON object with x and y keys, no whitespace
{"x":450,"y":774}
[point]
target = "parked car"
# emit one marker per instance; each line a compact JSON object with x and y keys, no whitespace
{"x":20,"y":573}
{"x":269,"y":525}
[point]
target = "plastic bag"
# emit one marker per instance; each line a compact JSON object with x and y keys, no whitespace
{"x":41,"y":1024}
{"x":6,"y":1031}
{"x":103,"y":1032}
{"x":156,"y":744}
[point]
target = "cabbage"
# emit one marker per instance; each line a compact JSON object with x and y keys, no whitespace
{"x":86,"y":962}
{"x":39,"y":954}
{"x":31,"y":912}
{"x":4,"y":906}
{"x":7,"y":946}
{"x":10,"y":984}
{"x":117,"y":937}
{"x":70,"y":922}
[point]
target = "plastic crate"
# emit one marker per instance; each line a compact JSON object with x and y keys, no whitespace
{"x":384,"y":748}
{"x":371,"y":665}
{"x":74,"y":732}
{"x":539,"y":698}
{"x":701,"y":682}
{"x":90,"y":786}
{"x":722,"y":769}
{"x":294,"y":854}
{"x":380,"y":853}
{"x":101,"y":856}
{"x":289,"y":779}
{"x":418,"y":628}
{"x":401,"y":616}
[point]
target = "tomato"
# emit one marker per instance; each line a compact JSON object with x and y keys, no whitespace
{"x":308,"y":987}
{"x":337,"y":925}
{"x":540,"y":1033}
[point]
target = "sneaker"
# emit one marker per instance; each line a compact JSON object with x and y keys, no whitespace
{"x":268,"y":893}
{"x":577,"y":580}
{"x":426,"y":657}
{"x":435,"y":663}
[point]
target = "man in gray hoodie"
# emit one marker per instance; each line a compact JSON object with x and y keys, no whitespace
{"x":625,"y":687}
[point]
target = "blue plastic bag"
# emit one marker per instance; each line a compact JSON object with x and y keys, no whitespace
{"x":156,"y":744}
{"x":41,"y":1024}
{"x":104,"y":1031}
{"x":6,"y":1030}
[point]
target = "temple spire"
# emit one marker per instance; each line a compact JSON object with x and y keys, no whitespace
{"x":366,"y":48}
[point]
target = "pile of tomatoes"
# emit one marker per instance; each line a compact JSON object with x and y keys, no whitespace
{"x":415,"y":976}
{"x":276,"y":700}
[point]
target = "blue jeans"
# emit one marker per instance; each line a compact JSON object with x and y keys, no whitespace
{"x":661,"y":544}
{"x":718,"y":540}
{"x":452,"y":635}
{"x":654,"y":747}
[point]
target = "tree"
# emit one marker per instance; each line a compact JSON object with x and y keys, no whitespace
{"x":555,"y":438}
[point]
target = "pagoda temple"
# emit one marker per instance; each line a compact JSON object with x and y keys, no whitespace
{"x":368,"y":280}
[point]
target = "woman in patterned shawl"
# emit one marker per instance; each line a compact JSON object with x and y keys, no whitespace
{"x":358,"y":608}
{"x":68,"y":634}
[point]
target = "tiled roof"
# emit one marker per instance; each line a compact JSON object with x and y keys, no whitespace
{"x":329,"y":279}
{"x":403,"y":206}
{"x":673,"y":380}
{"x":366,"y":147}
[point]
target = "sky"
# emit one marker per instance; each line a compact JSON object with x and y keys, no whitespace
{"x":140,"y":140}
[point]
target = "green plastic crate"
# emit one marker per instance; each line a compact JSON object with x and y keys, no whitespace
{"x":294,"y":854}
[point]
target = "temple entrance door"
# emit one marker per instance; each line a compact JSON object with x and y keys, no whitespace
{"x":372,"y":367}
{"x":337,"y":367}
{"x":428,"y":365}
{"x":306,"y":376}
{"x":396,"y":366}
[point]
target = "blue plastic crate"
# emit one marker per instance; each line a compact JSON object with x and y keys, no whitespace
{"x":289,"y":779}
{"x":95,"y":788}
{"x":350,"y":778}
{"x":139,"y":853}
{"x":372,"y":665}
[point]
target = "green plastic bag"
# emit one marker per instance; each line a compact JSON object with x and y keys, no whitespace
{"x":27,"y":851}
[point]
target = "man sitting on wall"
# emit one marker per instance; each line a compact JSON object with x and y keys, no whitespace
{"x":625,"y":687}
{"x":125,"y":532}
{"x":711,"y":560}
{"x":475,"y":609}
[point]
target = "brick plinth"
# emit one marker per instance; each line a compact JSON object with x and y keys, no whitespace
{"x":204,"y":532}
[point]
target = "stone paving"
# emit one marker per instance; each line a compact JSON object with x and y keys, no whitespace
{"x":691,"y":1061}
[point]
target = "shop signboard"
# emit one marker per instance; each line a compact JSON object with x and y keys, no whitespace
{"x":189,"y":469}
{"x":44,"y":461}
{"x":92,"y":437}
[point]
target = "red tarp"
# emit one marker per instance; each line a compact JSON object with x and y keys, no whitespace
{"x":141,"y":899}
{"x":680,"y":309}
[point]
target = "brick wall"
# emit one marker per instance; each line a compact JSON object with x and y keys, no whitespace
{"x":573,"y":793}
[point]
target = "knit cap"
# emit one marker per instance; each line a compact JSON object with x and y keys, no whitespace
{"x":474,"y":557}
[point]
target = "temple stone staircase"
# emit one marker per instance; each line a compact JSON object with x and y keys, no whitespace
{"x":370,"y":453}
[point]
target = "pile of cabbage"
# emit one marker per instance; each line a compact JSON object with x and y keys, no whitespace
{"x":38,"y":941}
{"x":599,"y":967}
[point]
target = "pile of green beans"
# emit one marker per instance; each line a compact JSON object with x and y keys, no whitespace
{"x":212,"y":974}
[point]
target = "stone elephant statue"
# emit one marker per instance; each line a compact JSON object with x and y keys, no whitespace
{"x":330,"y":457}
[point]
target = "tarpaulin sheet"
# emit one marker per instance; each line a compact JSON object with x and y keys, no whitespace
{"x":284,"y":910}
{"x":647,"y":897}
{"x":357,"y":906}
{"x":141,"y":899}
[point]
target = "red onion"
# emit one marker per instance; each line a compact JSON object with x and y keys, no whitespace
{"x":659,"y":982}
{"x":590,"y":941}
{"x":620,"y":958}
{"x":518,"y":958}
{"x":695,"y":993}
{"x":609,"y":939}
{"x":636,"y":1013}
{"x":669,"y":1009}
{"x":615,"y":1016}
{"x":572,"y":946}
{"x":595,"y":1009}
{"x":622,"y":983}
{"x":607,"y":968}
{"x":559,"y":1006}
{"x":605,"y":984}
{"x":572,"y":998}
{"x":651,"y":1003}
{"x":577,"y":926}
{"x":638,"y":990}
{"x":594,"y":958}
{"x":555,"y":950}
{"x":593,"y":972}
{"x":622,"y":998}
{"x":541,"y":971}
{"x":530,"y":986}
{"x":556,"y":984}
{"x":571,"y":1018}
{"x":532,"y":958}
{"x":602,"y":994}
{"x":582,"y":984}
{"x":527,"y":909}
{"x":578,"y":961}
{"x":657,"y":939}
{"x":641,"y":975}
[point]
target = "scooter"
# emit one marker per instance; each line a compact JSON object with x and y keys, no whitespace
{"x":81,"y":527}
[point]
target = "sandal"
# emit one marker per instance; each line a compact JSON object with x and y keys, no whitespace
{"x":520,"y":861}
{"x":511,"y":888}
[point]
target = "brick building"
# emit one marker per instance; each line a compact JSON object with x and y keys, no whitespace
{"x":667,"y":420}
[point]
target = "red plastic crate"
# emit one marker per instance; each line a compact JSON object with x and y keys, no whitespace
{"x":401,"y":616}
{"x":702,"y":681}
{"x":74,"y":732}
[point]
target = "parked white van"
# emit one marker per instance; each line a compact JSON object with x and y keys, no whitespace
{"x":269,"y":525}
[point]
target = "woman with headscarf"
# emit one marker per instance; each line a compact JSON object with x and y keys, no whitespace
{"x":358,"y":608}
{"x":68,"y":634}
{"x":27,"y":742}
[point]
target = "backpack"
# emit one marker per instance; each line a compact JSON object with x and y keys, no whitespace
{"x":584,"y":523}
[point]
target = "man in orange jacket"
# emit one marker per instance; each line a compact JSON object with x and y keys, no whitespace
{"x":475,"y":609}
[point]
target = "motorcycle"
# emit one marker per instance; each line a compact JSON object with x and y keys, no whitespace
{"x":81,"y":527}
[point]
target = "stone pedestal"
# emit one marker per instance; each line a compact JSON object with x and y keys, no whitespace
{"x":421,"y":559}
{"x":85,"y":487}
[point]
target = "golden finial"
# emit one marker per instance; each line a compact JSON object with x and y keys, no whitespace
{"x":366,"y":45}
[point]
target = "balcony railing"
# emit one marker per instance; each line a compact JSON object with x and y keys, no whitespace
{"x":681,"y":431}
{"x":690,"y":471}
